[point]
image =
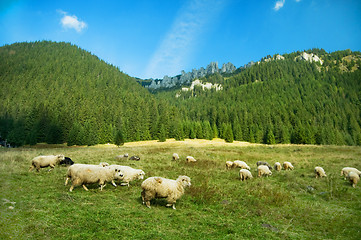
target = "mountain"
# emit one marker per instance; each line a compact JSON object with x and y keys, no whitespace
{"x":287,"y":99}
{"x":56,"y":92}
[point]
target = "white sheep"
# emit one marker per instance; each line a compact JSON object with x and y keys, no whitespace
{"x":277,"y":166}
{"x":45,"y":161}
{"x":320,"y":172}
{"x":190,"y":159}
{"x":353,"y":177}
{"x":346,"y":170}
{"x":120,"y":157}
{"x":81,"y":174}
{"x":129,"y":174}
{"x":175,"y":156}
{"x":263,"y":170}
{"x":229,"y":164}
{"x":264,"y":163}
{"x":244,"y":174}
{"x":241,"y":164}
{"x":287,"y":166}
{"x":158,"y":187}
{"x":104,"y":164}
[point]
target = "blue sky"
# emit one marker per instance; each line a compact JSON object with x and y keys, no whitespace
{"x":153,"y":38}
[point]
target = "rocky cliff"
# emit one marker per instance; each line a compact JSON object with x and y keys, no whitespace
{"x":187,"y":77}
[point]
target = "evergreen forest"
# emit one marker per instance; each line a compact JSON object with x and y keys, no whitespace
{"x":55,"y":92}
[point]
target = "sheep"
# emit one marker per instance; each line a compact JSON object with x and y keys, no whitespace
{"x":175,"y":156}
{"x":158,"y":187}
{"x":190,"y":159}
{"x":277,"y":166}
{"x":244,"y":174}
{"x":81,"y":174}
{"x":263,"y":170}
{"x":287,"y":166}
{"x":353,"y":177}
{"x":104,"y":164}
{"x":66,"y":161}
{"x":120,"y":157}
{"x":320,"y":172}
{"x":229,"y":164}
{"x":346,"y":170}
{"x":129,"y":173}
{"x":240,"y":164}
{"x":136,"y":158}
{"x":264,"y":163}
{"x":45,"y":161}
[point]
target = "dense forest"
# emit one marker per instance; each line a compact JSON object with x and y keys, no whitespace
{"x":57,"y":92}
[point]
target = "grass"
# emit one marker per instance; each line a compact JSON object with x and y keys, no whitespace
{"x":287,"y":205}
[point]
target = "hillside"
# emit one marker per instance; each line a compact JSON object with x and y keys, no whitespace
{"x":289,"y":100}
{"x":56,"y":92}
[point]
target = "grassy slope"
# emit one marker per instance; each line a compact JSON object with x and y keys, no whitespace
{"x":217,"y":206}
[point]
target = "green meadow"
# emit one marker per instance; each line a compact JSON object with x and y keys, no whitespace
{"x":287,"y":205}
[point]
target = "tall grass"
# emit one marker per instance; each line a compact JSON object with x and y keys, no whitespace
{"x":287,"y":205}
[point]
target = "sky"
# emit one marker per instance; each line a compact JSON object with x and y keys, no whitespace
{"x":154,"y":38}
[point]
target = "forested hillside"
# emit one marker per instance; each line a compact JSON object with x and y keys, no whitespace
{"x":56,"y":92}
{"x":279,"y":101}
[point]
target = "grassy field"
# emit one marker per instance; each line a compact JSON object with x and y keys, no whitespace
{"x":287,"y":205}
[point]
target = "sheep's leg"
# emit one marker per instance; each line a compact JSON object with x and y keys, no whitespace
{"x":66,"y":181}
{"x":147,"y":203}
{"x":113,"y":183}
{"x":52,"y":166}
{"x":125,"y":184}
{"x":85,"y":188}
{"x":71,"y":188}
{"x":171,"y":204}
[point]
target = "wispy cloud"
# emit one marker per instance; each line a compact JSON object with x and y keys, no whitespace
{"x":173,"y":52}
{"x":279,"y":5}
{"x":71,"y":22}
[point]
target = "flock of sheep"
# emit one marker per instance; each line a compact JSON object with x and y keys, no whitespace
{"x":158,"y":187}
{"x":264,"y":169}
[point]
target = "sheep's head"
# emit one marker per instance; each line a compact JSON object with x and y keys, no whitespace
{"x":141,"y":174}
{"x":104,"y":164}
{"x":186,"y":181}
{"x":60,"y":157}
{"x":118,"y":174}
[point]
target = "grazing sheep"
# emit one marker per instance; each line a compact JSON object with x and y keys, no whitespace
{"x":129,"y":174}
{"x":81,"y":174}
{"x":120,"y":157}
{"x":346,"y":170}
{"x":136,"y":158}
{"x":287,"y":165}
{"x":241,"y":164}
{"x":263,"y":170}
{"x":229,"y":164}
{"x":277,"y":166}
{"x":190,"y":159}
{"x":353,"y":177}
{"x":104,"y":164}
{"x":45,"y":161}
{"x":66,"y":161}
{"x":320,"y":172}
{"x":175,"y":156}
{"x":244,"y":174}
{"x":158,"y":187}
{"x":264,"y":163}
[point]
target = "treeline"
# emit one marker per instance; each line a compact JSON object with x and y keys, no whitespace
{"x":57,"y":92}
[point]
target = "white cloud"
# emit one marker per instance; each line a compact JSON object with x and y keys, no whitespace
{"x":174,"y":51}
{"x":279,"y":5}
{"x":69,"y":22}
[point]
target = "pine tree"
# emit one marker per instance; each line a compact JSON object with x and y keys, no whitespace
{"x":162,"y":134}
{"x":119,"y":138}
